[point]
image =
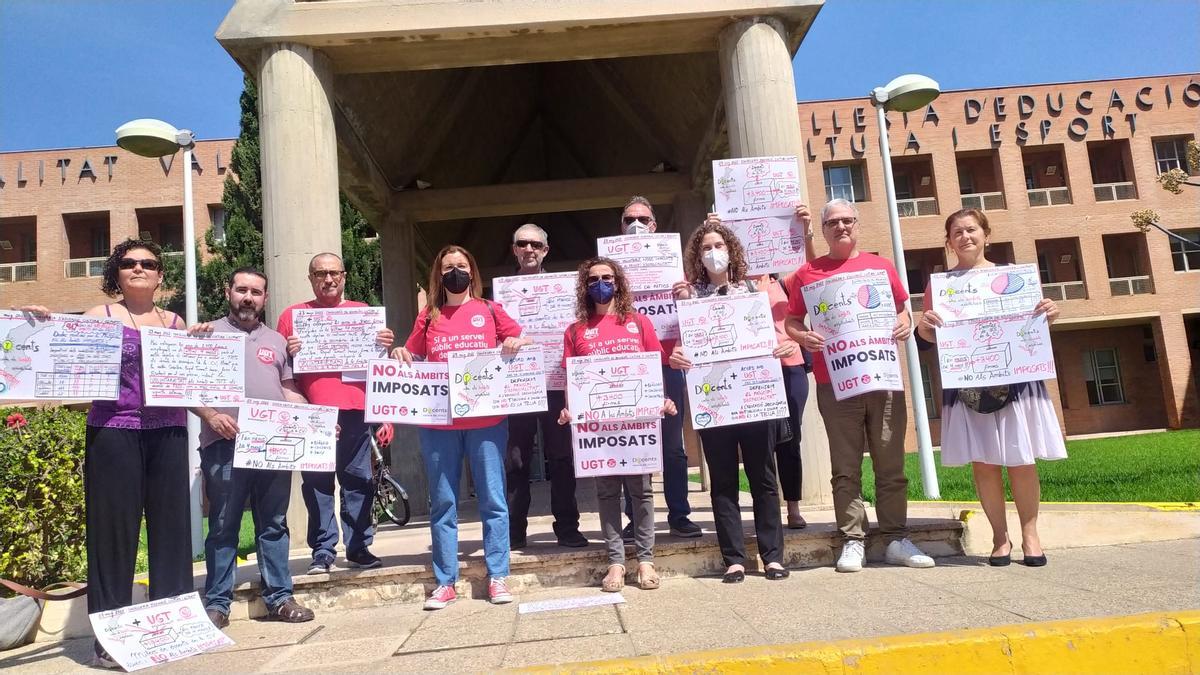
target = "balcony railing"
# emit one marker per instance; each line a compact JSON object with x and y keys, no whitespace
{"x":1049,"y":196}
{"x":984,"y":201}
{"x":85,"y":267}
{"x":1065,"y":290}
{"x":1131,"y":285}
{"x":1110,"y":192}
{"x":24,"y":271}
{"x":921,"y":206}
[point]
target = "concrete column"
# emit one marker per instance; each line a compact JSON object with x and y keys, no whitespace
{"x":301,"y":216}
{"x":760,"y":107}
{"x":690,"y":209}
{"x":1175,"y":370}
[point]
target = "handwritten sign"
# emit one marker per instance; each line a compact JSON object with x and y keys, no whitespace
{"x":652,"y":262}
{"x":985,"y":293}
{"x":286,"y":436}
{"x":485,"y":383}
{"x":156,"y":632}
{"x":995,"y":351}
{"x":617,"y":448}
{"x":726,"y":327}
{"x":659,"y":307}
{"x":773,"y":243}
{"x":181,"y":370}
{"x":404,"y":394}
{"x":733,"y":392}
{"x":63,"y":357}
{"x":552,"y":358}
{"x":544,"y":305}
{"x":752,"y":187}
{"x":337,"y":339}
{"x":615,"y":386}
{"x":856,"y":313}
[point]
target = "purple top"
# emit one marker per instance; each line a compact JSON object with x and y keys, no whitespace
{"x":128,"y":411}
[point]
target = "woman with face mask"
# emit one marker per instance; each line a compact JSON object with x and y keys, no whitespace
{"x":455,"y":317}
{"x":608,"y":324}
{"x":715,"y":264}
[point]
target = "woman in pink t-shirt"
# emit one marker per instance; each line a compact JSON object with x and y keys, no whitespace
{"x":456,"y":318}
{"x":608,"y":324}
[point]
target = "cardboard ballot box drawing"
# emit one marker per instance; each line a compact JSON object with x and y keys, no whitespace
{"x":157,"y":639}
{"x":615,"y":394}
{"x":722,"y":336}
{"x":528,"y":306}
{"x":284,"y":449}
{"x":760,"y":251}
{"x":991,"y":358}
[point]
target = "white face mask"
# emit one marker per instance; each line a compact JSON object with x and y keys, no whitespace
{"x":637,"y":227}
{"x":715,"y":260}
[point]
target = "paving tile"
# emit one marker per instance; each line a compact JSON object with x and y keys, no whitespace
{"x":1012,"y":586}
{"x":68,"y":656}
{"x":225,"y":661}
{"x":399,"y":619}
{"x":562,"y":624}
{"x":469,"y":630}
{"x":466,"y":660}
{"x":570,"y":650}
{"x":1189,"y":548}
{"x":685,"y":640}
{"x":1165,"y":598}
{"x":254,"y":634}
{"x":955,"y":616}
{"x":344,"y":655}
{"x":1071,"y":606}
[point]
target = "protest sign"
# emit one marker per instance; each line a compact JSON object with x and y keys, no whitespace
{"x":544,"y":305}
{"x":155,"y":632}
{"x":617,"y":448}
{"x":63,"y":357}
{"x":726,"y":327}
{"x":659,"y":307}
{"x":286,"y":436}
{"x":985,"y":293}
{"x":182,"y":370}
{"x":337,"y":339}
{"x":752,"y":187}
{"x":652,"y":262}
{"x":484,"y":383}
{"x":773,"y":243}
{"x":995,"y":351}
{"x":733,"y":392}
{"x":408,"y":394}
{"x":552,"y":358}
{"x":615,"y":386}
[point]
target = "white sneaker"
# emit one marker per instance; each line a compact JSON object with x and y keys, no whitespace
{"x":904,"y":552}
{"x":851,"y":559}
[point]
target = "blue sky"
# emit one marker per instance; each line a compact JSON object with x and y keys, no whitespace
{"x":71,"y":71}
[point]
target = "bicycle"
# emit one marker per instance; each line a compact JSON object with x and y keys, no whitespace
{"x":391,"y":499}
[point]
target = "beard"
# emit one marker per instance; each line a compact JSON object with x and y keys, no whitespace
{"x":245,"y":313}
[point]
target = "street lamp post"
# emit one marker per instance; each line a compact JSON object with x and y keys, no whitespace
{"x":905,"y":94}
{"x":155,"y":138}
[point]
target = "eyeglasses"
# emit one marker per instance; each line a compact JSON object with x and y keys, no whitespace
{"x":148,"y":264}
{"x":531,"y":243}
{"x":603,"y":277}
{"x":629,"y":220}
{"x":834,"y":222}
{"x":321,"y":274}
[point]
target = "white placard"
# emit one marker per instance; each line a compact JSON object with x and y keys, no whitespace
{"x":617,"y":448}
{"x":659,"y":307}
{"x":751,"y":187}
{"x":286,"y":436}
{"x":337,"y":339}
{"x":578,"y":602}
{"x":544,"y":305}
{"x":612,"y":387}
{"x":652,"y":262}
{"x":985,"y":293}
{"x":726,"y":327}
{"x":552,"y":358}
{"x":408,"y":394}
{"x":156,"y":632}
{"x":63,"y":357}
{"x":733,"y":392}
{"x":1001,"y":350}
{"x":773,"y":243}
{"x":485,"y":383}
{"x":182,"y":370}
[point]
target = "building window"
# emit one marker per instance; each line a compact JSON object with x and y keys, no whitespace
{"x":1030,"y":181}
{"x":216,"y":215}
{"x":1044,"y":268}
{"x":1103,"y":377}
{"x":845,"y":182}
{"x":1186,"y":257}
{"x":927,"y":388}
{"x":966,"y":182}
{"x":1171,"y":153}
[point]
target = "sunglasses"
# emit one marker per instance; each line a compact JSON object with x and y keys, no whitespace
{"x":148,"y":264}
{"x":603,"y":277}
{"x":629,"y":220}
{"x":834,"y":222}
{"x":530,"y":243}
{"x":336,"y":274}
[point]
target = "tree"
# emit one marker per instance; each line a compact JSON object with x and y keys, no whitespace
{"x":1172,"y":181}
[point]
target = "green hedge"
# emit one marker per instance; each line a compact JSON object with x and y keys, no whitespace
{"x":41,"y":496}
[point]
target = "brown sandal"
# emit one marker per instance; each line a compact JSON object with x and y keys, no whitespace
{"x":648,"y":581}
{"x":612,"y":584}
{"x":290,"y":611}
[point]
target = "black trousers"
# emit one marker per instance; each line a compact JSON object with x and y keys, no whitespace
{"x":128,"y":473}
{"x":556,"y":439}
{"x":721,"y":452}
{"x":787,"y":453}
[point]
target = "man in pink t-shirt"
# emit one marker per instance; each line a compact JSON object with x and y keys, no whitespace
{"x":877,"y":419}
{"x":328,"y":277}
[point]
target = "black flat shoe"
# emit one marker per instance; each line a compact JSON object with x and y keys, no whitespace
{"x":1000,"y":560}
{"x":1035,"y":561}
{"x":775,"y":574}
{"x":733,"y":577}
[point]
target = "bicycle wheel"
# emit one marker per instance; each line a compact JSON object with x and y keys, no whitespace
{"x":391,"y":500}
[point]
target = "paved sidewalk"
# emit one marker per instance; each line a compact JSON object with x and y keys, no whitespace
{"x":695,"y":614}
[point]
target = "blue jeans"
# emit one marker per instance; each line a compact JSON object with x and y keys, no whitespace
{"x":227,"y":489}
{"x":358,"y":488}
{"x":443,"y":451}
{"x":675,"y":462}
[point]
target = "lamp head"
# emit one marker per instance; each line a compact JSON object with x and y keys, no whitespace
{"x":152,"y":138}
{"x":906,"y":93}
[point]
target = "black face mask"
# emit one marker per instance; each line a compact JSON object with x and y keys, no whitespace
{"x":456,"y":280}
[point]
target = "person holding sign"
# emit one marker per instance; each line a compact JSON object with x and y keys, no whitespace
{"x":715,"y":262}
{"x":456,"y":317}
{"x":875,"y":419}
{"x":327,"y":275}
{"x":1000,"y":426}
{"x":268,"y":376}
{"x":608,"y":324}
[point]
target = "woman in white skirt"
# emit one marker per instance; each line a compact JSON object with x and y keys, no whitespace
{"x":993,"y":427}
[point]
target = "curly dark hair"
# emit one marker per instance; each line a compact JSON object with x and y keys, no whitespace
{"x":108,"y":282}
{"x":622,"y":299}
{"x":693,"y":267}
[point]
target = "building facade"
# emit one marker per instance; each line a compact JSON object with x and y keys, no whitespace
{"x":1058,"y":169}
{"x":61,"y":212}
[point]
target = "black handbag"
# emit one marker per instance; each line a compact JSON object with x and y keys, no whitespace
{"x":987,"y":400}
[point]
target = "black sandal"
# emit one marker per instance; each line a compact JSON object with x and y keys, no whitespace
{"x":290,"y":611}
{"x":777,"y":573}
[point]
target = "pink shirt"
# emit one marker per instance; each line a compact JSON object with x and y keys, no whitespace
{"x":604,"y":334}
{"x":779,"y":312}
{"x":325,"y":388}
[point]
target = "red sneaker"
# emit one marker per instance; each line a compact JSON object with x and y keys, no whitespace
{"x":440,"y":597}
{"x":498,"y":592}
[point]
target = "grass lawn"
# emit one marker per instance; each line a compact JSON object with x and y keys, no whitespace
{"x":1155,"y":467}
{"x":245,"y":541}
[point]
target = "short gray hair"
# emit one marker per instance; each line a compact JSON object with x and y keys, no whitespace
{"x":833,"y":204}
{"x":530,"y":227}
{"x":638,"y":199}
